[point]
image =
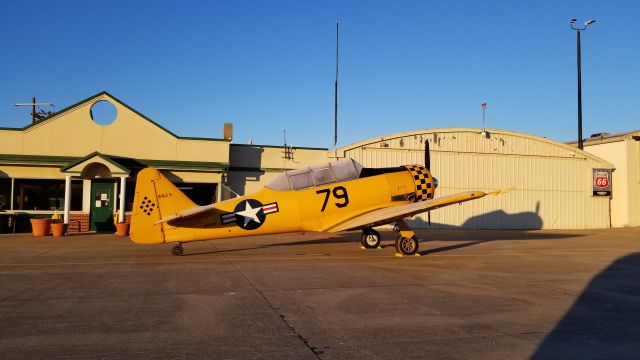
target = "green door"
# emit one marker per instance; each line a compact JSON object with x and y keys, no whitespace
{"x":101,"y":206}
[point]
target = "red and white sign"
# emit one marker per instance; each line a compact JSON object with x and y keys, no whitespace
{"x":602,"y":182}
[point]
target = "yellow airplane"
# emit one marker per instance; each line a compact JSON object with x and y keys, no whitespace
{"x":331,"y":197}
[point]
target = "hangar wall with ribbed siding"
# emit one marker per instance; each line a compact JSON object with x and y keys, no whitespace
{"x":550,"y":182}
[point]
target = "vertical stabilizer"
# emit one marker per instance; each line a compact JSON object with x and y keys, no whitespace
{"x":155,"y":197}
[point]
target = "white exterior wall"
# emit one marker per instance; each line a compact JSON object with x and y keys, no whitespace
{"x":625,"y":156}
{"x":551,"y":181}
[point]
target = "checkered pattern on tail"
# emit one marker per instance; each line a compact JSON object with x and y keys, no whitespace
{"x":423,"y":181}
{"x":147,"y":206}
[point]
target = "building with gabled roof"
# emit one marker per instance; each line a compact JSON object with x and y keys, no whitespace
{"x":86,"y":169}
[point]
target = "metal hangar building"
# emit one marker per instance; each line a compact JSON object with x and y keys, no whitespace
{"x":550,"y":183}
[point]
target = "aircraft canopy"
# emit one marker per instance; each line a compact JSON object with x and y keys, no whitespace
{"x":326,"y":173}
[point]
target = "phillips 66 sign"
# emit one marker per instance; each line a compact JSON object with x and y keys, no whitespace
{"x":601,"y":182}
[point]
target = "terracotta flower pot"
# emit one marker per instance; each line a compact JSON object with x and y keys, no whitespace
{"x":122,"y":229}
{"x":59,"y":229}
{"x":40,"y":227}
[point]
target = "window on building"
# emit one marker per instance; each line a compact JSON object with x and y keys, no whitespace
{"x":41,"y":194}
{"x":5,"y":194}
{"x":199,"y":193}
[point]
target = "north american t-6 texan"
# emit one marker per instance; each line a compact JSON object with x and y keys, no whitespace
{"x":331,"y":197}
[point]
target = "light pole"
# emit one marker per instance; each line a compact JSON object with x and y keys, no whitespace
{"x":578,"y":29}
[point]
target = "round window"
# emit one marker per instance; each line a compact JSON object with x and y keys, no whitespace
{"x":103,"y":112}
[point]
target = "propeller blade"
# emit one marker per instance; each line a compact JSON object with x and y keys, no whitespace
{"x":427,"y":155}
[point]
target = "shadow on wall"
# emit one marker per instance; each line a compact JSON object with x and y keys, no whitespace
{"x":604,"y":322}
{"x":246,"y":164}
{"x":498,"y":219}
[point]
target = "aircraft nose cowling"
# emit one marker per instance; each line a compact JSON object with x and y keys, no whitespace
{"x":424,"y":182}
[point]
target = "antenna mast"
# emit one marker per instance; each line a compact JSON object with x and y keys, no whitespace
{"x":335,"y":101}
{"x":37,"y":115}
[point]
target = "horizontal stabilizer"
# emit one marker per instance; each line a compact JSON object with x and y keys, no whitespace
{"x":198,"y":216}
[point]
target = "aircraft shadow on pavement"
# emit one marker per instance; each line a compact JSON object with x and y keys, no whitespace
{"x":604,"y":322}
{"x":477,"y":237}
{"x":325,"y":239}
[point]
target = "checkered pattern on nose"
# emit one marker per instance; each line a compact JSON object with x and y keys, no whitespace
{"x":423,"y":181}
{"x":147,"y":206}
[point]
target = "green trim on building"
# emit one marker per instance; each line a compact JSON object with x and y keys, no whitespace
{"x":101,"y":156}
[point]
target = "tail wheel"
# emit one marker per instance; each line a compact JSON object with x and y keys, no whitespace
{"x":177,"y":250}
{"x":370,"y":239}
{"x":407,"y":246}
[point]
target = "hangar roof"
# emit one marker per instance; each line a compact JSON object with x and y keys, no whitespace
{"x":472,"y":140}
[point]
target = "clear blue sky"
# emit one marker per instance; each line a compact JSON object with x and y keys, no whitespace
{"x":266,"y":66}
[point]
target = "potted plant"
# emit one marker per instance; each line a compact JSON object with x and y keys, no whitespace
{"x":58,"y":227}
{"x":40,"y":227}
{"x":122,"y":228}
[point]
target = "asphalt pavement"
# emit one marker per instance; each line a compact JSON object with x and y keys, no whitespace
{"x":471,"y":295}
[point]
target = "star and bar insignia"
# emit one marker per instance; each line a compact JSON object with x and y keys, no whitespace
{"x":249,"y":214}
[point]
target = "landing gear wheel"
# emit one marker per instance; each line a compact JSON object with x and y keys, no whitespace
{"x":177,"y":250}
{"x":407,"y":246}
{"x":370,"y":239}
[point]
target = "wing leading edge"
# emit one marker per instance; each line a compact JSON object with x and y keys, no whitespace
{"x":389,"y":215}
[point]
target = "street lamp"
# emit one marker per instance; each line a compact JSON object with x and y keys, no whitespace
{"x":578,"y":29}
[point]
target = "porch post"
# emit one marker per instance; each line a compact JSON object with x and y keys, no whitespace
{"x":67,"y":198}
{"x":123,"y":187}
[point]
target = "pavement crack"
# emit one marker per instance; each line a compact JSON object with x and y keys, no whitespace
{"x":315,"y":350}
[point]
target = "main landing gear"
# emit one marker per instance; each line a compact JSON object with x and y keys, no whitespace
{"x":406,"y":243}
{"x":177,"y":249}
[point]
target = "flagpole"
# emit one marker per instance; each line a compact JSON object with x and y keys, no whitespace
{"x":483,"y":110}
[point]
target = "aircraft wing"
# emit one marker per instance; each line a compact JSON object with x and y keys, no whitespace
{"x":392,"y":214}
{"x":199,"y":216}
